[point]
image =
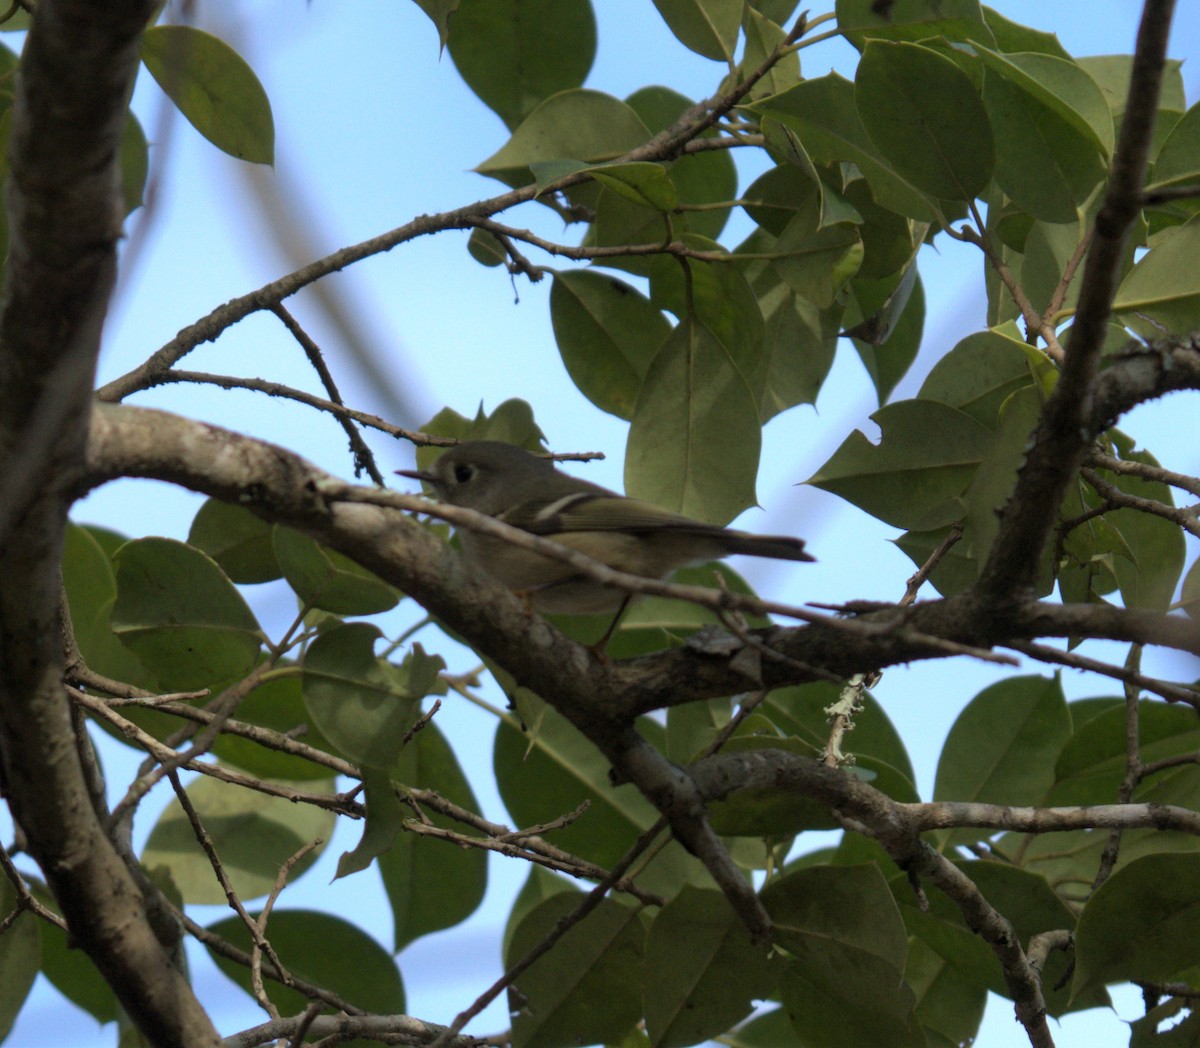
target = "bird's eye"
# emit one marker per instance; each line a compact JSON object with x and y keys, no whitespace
{"x":463,"y":472}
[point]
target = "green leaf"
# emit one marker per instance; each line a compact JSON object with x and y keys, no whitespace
{"x":1026,"y":900}
{"x":433,"y":884}
{"x":818,"y":262}
{"x":1063,"y":87}
{"x":1148,"y":575}
{"x":539,"y":885}
{"x":701,"y":973}
{"x":911,"y":479}
{"x":861,"y":20}
{"x":135,"y":162}
{"x":1092,"y":763}
{"x":1142,"y":923}
{"x":1111,"y":73}
{"x":324,"y":950}
{"x":708,"y":27}
{"x":181,"y":616}
{"x":949,"y":1006}
{"x":639,"y":182}
{"x":547,"y":776}
{"x":895,"y":322}
{"x":1002,"y":747}
{"x":607,"y":333}
{"x":1189,"y":598}
{"x":659,"y":622}
{"x":20,"y":958}
{"x":571,"y":125}
{"x":799,"y":342}
{"x":587,"y":989}
{"x":1012,"y":36}
{"x":253,"y":835}
{"x":924,"y":115}
{"x":511,"y":423}
{"x":214,"y":88}
{"x":486,"y":249}
{"x":1164,"y":285}
{"x":278,"y":705}
{"x":993,"y":483}
{"x":385,"y":815}
{"x":695,"y":438}
{"x":236,"y":539}
{"x":439,"y":12}
{"x":717,"y":295}
{"x":363,"y":704}
{"x":823,"y":115}
{"x":1043,"y":162}
{"x":979,"y":374}
{"x":762,"y":36}
{"x":1048,"y":248}
{"x":515,"y":53}
{"x":1178,"y":160}
{"x":325,"y":579}
{"x":846,"y":947}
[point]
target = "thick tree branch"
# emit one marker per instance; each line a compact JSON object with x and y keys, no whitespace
{"x":77,"y":71}
{"x":1066,"y":430}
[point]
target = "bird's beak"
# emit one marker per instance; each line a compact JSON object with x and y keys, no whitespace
{"x":417,"y":474}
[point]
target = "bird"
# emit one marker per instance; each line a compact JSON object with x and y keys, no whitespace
{"x":526,"y":491}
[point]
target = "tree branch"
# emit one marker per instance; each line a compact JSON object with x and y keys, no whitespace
{"x":77,"y":73}
{"x":1066,"y":429}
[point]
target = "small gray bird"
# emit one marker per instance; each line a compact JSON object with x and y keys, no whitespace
{"x":527,"y":492}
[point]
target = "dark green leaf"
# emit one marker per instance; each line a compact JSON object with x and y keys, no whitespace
{"x":180,"y":615}
{"x":1164,"y":286}
{"x":236,"y":539}
{"x":325,"y":579}
{"x":363,"y":704}
{"x":547,"y":776}
{"x":433,"y":884}
{"x":708,"y":27}
{"x":253,"y":835}
{"x":515,"y":53}
{"x":607,"y":333}
{"x":925,"y":459}
{"x":1179,"y":159}
{"x":846,"y":948}
{"x":979,"y":374}
{"x":20,"y":958}
{"x":1043,"y":162}
{"x":924,"y":115}
{"x":325,"y":950}
{"x":439,"y":12}
{"x":1142,"y":923}
{"x":694,"y":439}
{"x":1002,"y":747}
{"x":1061,"y":86}
{"x":385,"y":815}
{"x":135,"y":161}
{"x":861,"y":20}
{"x":701,"y":973}
{"x":587,"y":990}
{"x":277,"y":705}
{"x":894,"y":321}
{"x":214,"y":88}
{"x":823,"y":115}
{"x":571,"y":125}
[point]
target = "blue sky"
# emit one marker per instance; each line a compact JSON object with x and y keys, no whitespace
{"x":374,"y":128}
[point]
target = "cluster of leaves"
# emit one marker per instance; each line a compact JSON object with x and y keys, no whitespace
{"x":849,"y":930}
{"x":951,"y":105}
